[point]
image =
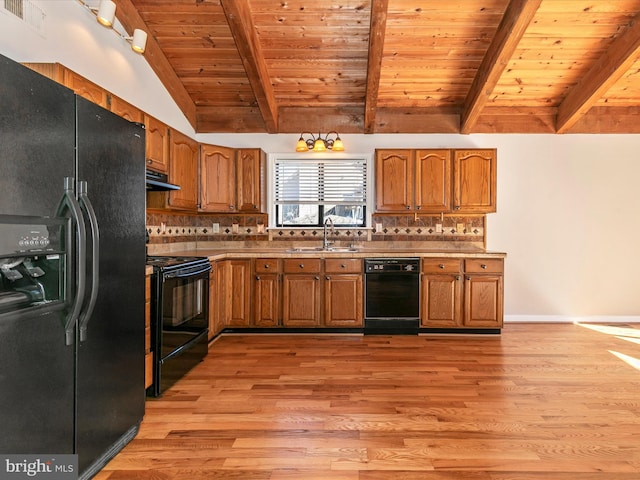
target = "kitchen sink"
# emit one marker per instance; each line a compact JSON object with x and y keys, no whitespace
{"x":322,"y":249}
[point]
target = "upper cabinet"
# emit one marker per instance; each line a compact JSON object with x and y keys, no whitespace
{"x":231,"y":181}
{"x":183,"y":171}
{"x":250,"y":177}
{"x":126,"y":110}
{"x":474,"y":181}
{"x":435,"y":181}
{"x":217,"y":179}
{"x":157,"y":144}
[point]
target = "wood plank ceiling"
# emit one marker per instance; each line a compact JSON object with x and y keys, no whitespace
{"x":397,"y":66}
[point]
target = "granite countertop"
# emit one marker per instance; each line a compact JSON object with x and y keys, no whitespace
{"x":341,"y":252}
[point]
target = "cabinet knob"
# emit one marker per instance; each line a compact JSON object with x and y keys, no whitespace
{"x":418,"y":207}
{"x":408,"y":207}
{"x":342,"y":265}
{"x":468,"y":277}
{"x":316,"y":277}
{"x":457,"y":207}
{"x":483,"y":266}
{"x":257,"y":277}
{"x":301,"y":265}
{"x":327,"y":277}
{"x":457,"y":277}
{"x":441,"y":266}
{"x":266,"y":265}
{"x":149,"y":161}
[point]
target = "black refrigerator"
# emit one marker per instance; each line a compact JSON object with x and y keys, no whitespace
{"x":72,"y":270}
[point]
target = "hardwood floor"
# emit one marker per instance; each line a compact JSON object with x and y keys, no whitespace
{"x":541,"y":401}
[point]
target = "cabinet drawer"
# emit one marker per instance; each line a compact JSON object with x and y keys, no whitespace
{"x":267,"y":265}
{"x":343,"y":265}
{"x":302,"y":265}
{"x":441,"y":265}
{"x":484,"y":265}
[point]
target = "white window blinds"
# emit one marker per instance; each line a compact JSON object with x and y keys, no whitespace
{"x":320,"y":181}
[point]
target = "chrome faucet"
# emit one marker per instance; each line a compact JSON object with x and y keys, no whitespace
{"x":326,"y":243}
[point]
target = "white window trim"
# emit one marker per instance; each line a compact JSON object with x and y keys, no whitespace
{"x":272,"y":158}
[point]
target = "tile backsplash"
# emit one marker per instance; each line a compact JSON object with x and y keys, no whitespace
{"x":167,"y":228}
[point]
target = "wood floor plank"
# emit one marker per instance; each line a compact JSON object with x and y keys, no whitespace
{"x":540,"y":401}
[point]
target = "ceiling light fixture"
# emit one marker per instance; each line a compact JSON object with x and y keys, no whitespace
{"x":106,"y":15}
{"x":319,"y":144}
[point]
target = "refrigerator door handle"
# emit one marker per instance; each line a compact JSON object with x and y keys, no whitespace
{"x":69,"y":202}
{"x":95,"y":258}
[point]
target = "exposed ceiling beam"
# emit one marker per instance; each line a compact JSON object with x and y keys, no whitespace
{"x":130,"y":20}
{"x":513,"y":25}
{"x":238,"y":13}
{"x":374,"y":63}
{"x":617,"y":60}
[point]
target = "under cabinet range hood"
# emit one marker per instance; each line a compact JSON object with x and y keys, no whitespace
{"x":157,"y":181}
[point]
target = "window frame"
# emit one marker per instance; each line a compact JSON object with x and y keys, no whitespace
{"x":272,"y":158}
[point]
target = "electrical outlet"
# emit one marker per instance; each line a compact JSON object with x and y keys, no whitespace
{"x":438,"y":228}
{"x":215,"y":228}
{"x":469,"y":228}
{"x":460,"y":227}
{"x":378,"y":227}
{"x":235,"y":228}
{"x":261,"y":228}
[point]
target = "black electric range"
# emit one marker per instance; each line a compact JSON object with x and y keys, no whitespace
{"x":167,"y":262}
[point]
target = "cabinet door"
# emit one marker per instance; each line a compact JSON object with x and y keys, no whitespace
{"x":441,"y":303}
{"x":85,"y":88}
{"x":126,"y":110}
{"x":433,"y":181}
{"x":483,"y":301}
{"x":157,"y":138}
{"x":266,"y":294}
{"x":474,"y":185}
{"x":250,"y":176}
{"x":183,"y":171}
{"x":343,"y":300}
{"x":394,"y":180}
{"x":301,"y":300}
{"x":238,"y":283}
{"x":218,"y":179}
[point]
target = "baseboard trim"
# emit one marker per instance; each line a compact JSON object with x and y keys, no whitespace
{"x":571,"y":319}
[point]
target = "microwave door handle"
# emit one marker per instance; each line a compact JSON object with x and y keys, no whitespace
{"x":85,"y":316}
{"x":69,"y":202}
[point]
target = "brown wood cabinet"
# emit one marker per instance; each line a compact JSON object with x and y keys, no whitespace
{"x":126,"y":110}
{"x":237,"y":297}
{"x":266,"y":293}
{"x":301,"y":302}
{"x":250,"y":174}
{"x":217,"y":179}
{"x":343,"y":299}
{"x":215,"y":326}
{"x":157,"y":144}
{"x":474,"y":184}
{"x":232,"y":181}
{"x":459,"y":293}
{"x":435,"y":181}
{"x":183,"y":171}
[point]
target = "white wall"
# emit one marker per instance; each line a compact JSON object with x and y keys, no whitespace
{"x":568,"y":205}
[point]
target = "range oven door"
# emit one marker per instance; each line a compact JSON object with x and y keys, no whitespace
{"x":184,"y":312}
{"x":180,"y":323}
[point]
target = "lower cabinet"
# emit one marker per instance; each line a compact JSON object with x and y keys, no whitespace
{"x":235,"y":290}
{"x":301,"y":292}
{"x":343,"y":297}
{"x":462,"y":293}
{"x":266,"y":293}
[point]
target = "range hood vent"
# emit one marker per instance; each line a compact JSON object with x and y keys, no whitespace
{"x":158,"y":182}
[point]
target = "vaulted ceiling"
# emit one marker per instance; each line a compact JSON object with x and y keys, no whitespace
{"x":396,"y":66}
